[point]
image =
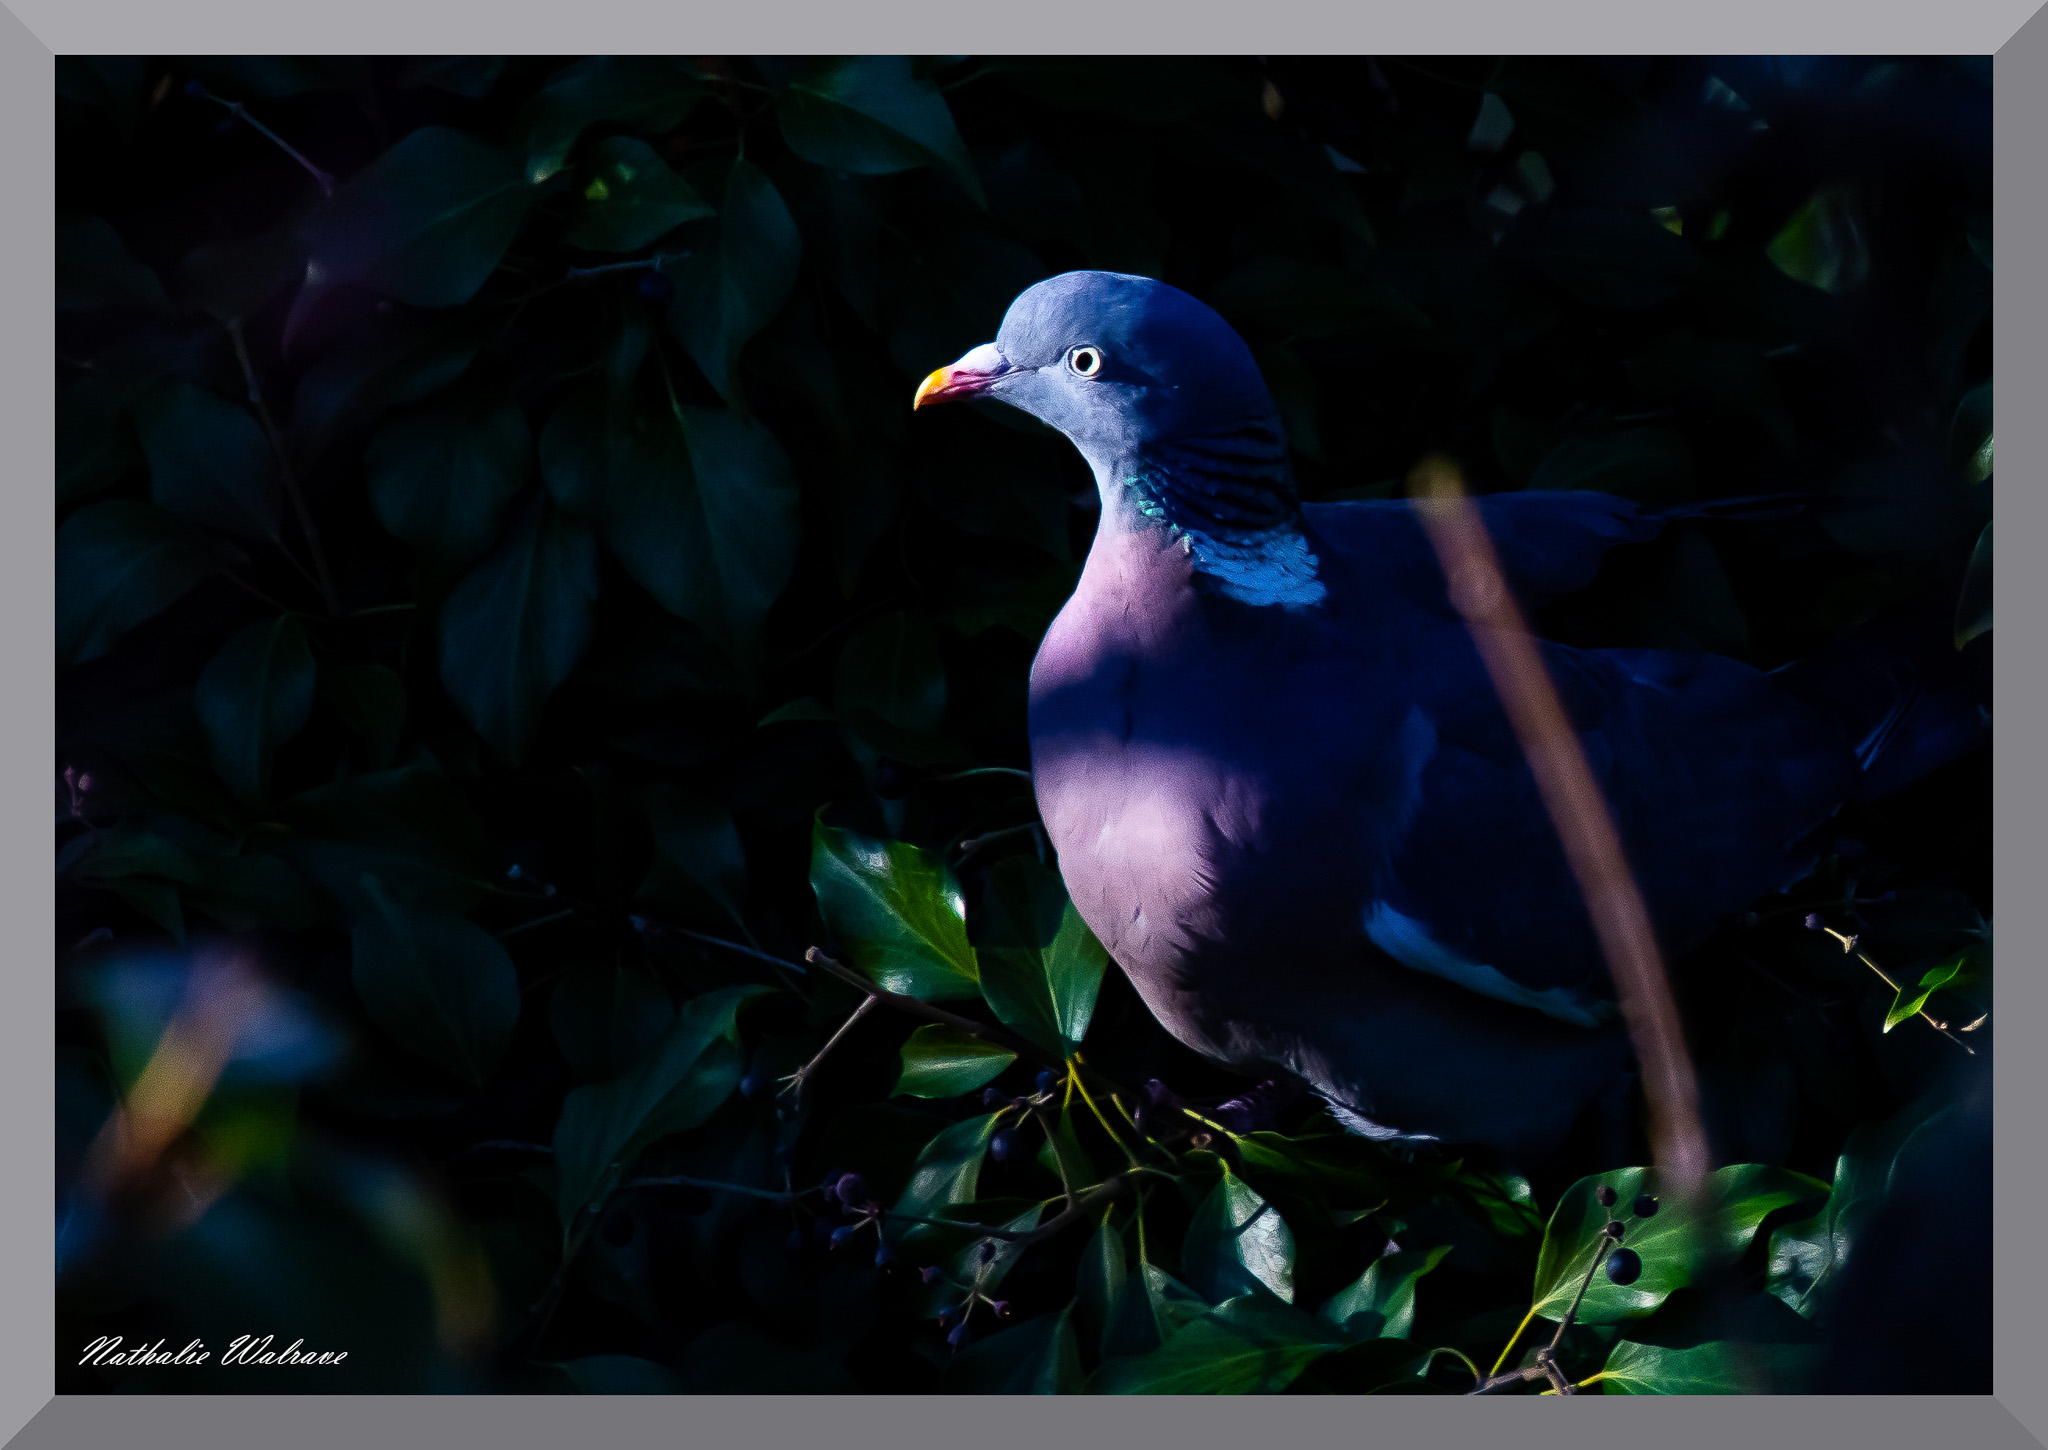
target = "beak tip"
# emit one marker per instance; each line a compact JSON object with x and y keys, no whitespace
{"x":925,"y":389}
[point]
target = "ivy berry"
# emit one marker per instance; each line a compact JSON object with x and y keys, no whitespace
{"x":1624,"y":1266}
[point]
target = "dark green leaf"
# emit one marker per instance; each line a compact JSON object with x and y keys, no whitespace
{"x":255,"y":695}
{"x":209,"y":462}
{"x":426,"y":222}
{"x":871,"y":116}
{"x":890,"y":667}
{"x":440,"y":476}
{"x":1041,"y":967}
{"x":1237,"y":1243}
{"x":1249,"y":1345}
{"x":1823,"y":243}
{"x":945,"y":1062}
{"x":516,"y":626}
{"x":1100,"y":1282}
{"x":699,"y":865}
{"x":96,"y":269}
{"x":737,"y":278}
{"x":1973,"y":605}
{"x":621,"y":1374}
{"x":233,"y":279}
{"x":604,"y":1018}
{"x":677,"y":1085}
{"x":1970,"y":435}
{"x":1614,"y":258}
{"x":371,"y":699}
{"x":408,"y":825}
{"x":1675,"y":1245}
{"x":630,"y":197}
{"x":95,"y":442}
{"x":897,"y":910}
{"x":646,"y":93}
{"x":1698,"y":609}
{"x":118,"y":564}
{"x":1716,"y":1367}
{"x":441,"y":986}
{"x":1651,"y":465}
{"x":1038,"y":1357}
{"x":387,"y":362}
{"x":698,"y":503}
{"x":946,"y":1173}
{"x":1381,"y":1304}
{"x":470,"y":76}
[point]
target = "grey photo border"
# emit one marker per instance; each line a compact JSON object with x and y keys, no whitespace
{"x":32,"y":32}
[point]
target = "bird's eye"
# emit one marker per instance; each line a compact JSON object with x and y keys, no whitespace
{"x":1086,"y":361}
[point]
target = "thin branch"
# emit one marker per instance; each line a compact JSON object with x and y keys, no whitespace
{"x":1023,"y":775}
{"x":732,"y":946}
{"x":802,"y":1075}
{"x":1849,"y":947}
{"x":284,"y":468}
{"x":685,"y":1181}
{"x":1100,"y":1194}
{"x":241,"y":113}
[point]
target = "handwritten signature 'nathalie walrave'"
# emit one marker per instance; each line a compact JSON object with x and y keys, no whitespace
{"x":248,"y":1349}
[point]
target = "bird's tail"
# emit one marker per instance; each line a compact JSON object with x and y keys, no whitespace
{"x":1907,"y":701}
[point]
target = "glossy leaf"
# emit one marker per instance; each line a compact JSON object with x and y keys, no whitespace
{"x":1715,"y":1367}
{"x":897,"y":910}
{"x":733,"y":282}
{"x":1823,"y":243}
{"x":947,"y":1172}
{"x":440,"y":477}
{"x":1038,"y":1357}
{"x":630,"y":197}
{"x":647,"y":93}
{"x":439,"y":985}
{"x":96,"y":269}
{"x":1041,"y":967}
{"x":675,"y":1086}
{"x":209,"y":462}
{"x":1248,"y":1345}
{"x":871,"y":116}
{"x":1100,"y":1280}
{"x":118,"y":564}
{"x":426,"y":222}
{"x":1675,"y":1244}
{"x":1381,"y":1304}
{"x":699,"y":864}
{"x":517,"y":624}
{"x":945,"y":1062}
{"x":1909,"y":1001}
{"x":604,"y":1018}
{"x":1973,"y":605}
{"x":698,"y":504}
{"x":253,"y":696}
{"x":1970,"y":435}
{"x":1237,"y":1243}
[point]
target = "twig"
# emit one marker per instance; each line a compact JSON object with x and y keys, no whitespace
{"x":1023,"y":775}
{"x":1100,"y":1194}
{"x":198,"y":91}
{"x":970,"y":846}
{"x":685,"y":1181}
{"x":732,"y":946}
{"x":284,"y":468}
{"x":1849,"y":947}
{"x":1546,"y":1365}
{"x":797,"y":1079}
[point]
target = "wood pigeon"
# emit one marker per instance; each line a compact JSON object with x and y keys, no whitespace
{"x":1285,"y":795}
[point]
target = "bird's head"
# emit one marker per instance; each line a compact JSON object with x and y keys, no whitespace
{"x":1121,"y":365}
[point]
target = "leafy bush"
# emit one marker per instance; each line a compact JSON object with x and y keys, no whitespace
{"x":508,"y":618}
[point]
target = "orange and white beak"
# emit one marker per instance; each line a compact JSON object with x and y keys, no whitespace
{"x":970,"y":377}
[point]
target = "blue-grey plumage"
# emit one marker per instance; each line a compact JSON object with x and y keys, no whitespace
{"x":1284,"y":793}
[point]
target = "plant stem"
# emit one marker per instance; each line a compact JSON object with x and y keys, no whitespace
{"x":241,"y":113}
{"x":307,"y":527}
{"x":797,"y":1079}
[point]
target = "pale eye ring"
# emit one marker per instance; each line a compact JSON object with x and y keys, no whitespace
{"x":1085,"y":360}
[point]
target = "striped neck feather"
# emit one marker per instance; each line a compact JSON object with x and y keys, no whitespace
{"x":1229,"y":499}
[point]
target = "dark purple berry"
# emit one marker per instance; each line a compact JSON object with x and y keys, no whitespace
{"x":1604,"y":1196}
{"x":988,"y":1250}
{"x":1624,"y":1266}
{"x":841,"y":1237}
{"x":892,"y":779}
{"x":929,"y":1273}
{"x":1645,"y":1206}
{"x":656,"y":289}
{"x":1813,"y":921}
{"x":795,"y":1243}
{"x":1045,"y":1081}
{"x":990,"y":1097}
{"x":754,"y":1085}
{"x":1003,"y":1145}
{"x":853,"y":1190}
{"x":959,"y":1337}
{"x":884,"y":1256}
{"x":1002,"y":1308}
{"x":617,"y":1228}
{"x":1613,"y":1229}
{"x":831,"y":1187}
{"x":948,"y":1316}
{"x":824,"y":1225}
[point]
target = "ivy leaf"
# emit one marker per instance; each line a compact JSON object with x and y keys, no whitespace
{"x":699,"y":504}
{"x":118,"y":564}
{"x":1822,"y":244}
{"x":871,"y":116}
{"x":253,"y":696}
{"x":411,"y":825}
{"x":699,"y":864}
{"x":516,"y":625}
{"x":439,"y":985}
{"x":946,"y":1173}
{"x":898,"y":910}
{"x":1907,"y":1004}
{"x":425,"y":223}
{"x":1041,"y":1356}
{"x":1614,"y":257}
{"x":1247,"y":1345}
{"x":1970,"y":435}
{"x":1716,"y":1367}
{"x":677,"y":1085}
{"x":729,"y":286}
{"x":1237,"y":1244}
{"x":96,"y":269}
{"x":603,"y":1018}
{"x":630,"y":197}
{"x":209,"y":462}
{"x":1100,"y":1281}
{"x":620,"y":1374}
{"x":1973,"y":605}
{"x":945,"y":1062}
{"x":1041,"y":967}
{"x":440,"y":476}
{"x":1675,"y":1244}
{"x":371,"y":702}
{"x":890,"y":669}
{"x":1381,"y":1304}
{"x":647,"y":93}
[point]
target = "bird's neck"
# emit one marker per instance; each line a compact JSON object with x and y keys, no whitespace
{"x":1227,"y":499}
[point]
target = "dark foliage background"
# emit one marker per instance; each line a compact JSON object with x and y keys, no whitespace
{"x":474,"y":583}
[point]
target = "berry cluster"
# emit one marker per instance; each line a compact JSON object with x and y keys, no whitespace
{"x":1624,"y":1266}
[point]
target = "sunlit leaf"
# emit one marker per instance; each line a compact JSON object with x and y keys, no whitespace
{"x":1237,"y":1243}
{"x":1715,"y":1367}
{"x":1382,"y":1301}
{"x":898,"y":911}
{"x":945,"y":1062}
